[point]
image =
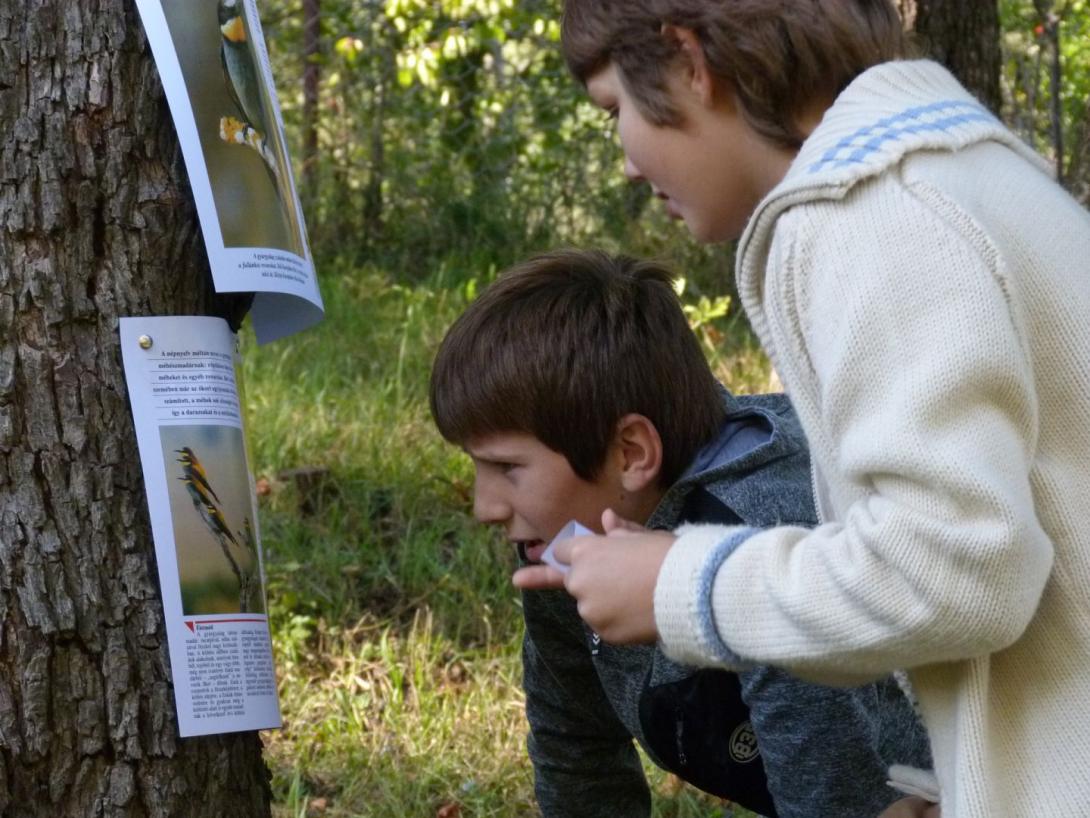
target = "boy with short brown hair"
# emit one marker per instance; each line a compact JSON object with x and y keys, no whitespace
{"x":576,"y":386}
{"x":921,"y":285}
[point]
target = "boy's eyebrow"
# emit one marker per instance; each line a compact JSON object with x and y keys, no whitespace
{"x":484,"y":454}
{"x":491,"y":459}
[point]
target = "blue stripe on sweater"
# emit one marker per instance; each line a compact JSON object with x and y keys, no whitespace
{"x":705,"y":620}
{"x":909,"y":121}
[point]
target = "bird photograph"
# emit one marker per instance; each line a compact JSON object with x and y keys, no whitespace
{"x":249,"y":125}
{"x":233,"y":105}
{"x":212,"y":509}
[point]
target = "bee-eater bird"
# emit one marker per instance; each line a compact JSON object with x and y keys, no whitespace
{"x":195,"y":471}
{"x":239,"y":70}
{"x":209,"y":511}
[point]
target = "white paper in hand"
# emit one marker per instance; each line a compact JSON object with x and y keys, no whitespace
{"x":913,"y":781}
{"x":572,"y":529}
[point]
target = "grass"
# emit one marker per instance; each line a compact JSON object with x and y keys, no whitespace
{"x":395,"y":626}
{"x":388,"y":719}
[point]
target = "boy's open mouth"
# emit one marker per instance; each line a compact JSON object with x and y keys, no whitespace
{"x":531,"y":550}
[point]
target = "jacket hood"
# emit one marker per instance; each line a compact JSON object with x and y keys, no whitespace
{"x":758,"y":481}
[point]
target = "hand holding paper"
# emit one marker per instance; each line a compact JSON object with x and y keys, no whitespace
{"x":572,"y":529}
{"x":612,"y":577}
{"x":912,"y":807}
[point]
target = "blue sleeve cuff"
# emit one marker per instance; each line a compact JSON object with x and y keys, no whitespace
{"x":683,"y":595}
{"x":705,"y":617}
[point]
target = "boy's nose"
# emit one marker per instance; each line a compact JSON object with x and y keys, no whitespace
{"x":488,"y":507}
{"x":631,"y":172}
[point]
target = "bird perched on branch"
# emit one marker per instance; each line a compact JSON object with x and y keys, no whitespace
{"x":206,"y":503}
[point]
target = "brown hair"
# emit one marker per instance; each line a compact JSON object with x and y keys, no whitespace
{"x":779,"y":56}
{"x":563,"y":346}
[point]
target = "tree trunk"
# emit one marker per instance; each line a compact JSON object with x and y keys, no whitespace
{"x":963,"y":35}
{"x":96,"y":222}
{"x":311,"y":78}
{"x":384,"y":42}
{"x":1051,"y":30}
{"x":1078,"y":171}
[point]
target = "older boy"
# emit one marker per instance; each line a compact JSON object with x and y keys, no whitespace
{"x":575,"y":385}
{"x":922,"y":286}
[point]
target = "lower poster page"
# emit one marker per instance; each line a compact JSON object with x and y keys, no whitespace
{"x":181,"y":378}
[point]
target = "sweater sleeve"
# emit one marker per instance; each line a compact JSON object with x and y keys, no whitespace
{"x":585,"y":763}
{"x":900,"y":341}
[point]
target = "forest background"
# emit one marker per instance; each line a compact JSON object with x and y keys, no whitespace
{"x":436,"y":143}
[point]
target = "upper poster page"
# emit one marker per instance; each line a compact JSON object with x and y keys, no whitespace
{"x":215,"y":70}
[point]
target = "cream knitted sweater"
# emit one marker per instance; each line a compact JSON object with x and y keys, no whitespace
{"x":923,"y":289}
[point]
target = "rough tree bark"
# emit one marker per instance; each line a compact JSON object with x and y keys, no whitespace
{"x":96,"y":222}
{"x":964,"y":36}
{"x":1046,"y":9}
{"x":312,"y":49}
{"x":1077,"y":178}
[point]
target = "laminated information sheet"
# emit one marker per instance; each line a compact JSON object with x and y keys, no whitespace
{"x":215,"y":70}
{"x":181,"y":379}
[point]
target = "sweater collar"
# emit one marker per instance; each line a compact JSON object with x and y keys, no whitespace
{"x":887,"y":112}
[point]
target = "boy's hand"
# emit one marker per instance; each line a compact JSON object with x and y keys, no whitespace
{"x":912,"y":807}
{"x":537,"y":578}
{"x":612,"y":578}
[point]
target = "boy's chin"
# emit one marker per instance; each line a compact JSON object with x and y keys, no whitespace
{"x":711,"y":230}
{"x":712,"y":234}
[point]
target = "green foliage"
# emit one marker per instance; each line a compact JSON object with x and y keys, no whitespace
{"x":1029,"y":30}
{"x":450,"y":132}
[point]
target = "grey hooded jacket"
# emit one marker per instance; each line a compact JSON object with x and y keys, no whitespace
{"x":761,"y":738}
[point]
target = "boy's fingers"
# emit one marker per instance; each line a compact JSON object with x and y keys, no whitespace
{"x":562,"y":550}
{"x":537,"y":577}
{"x":912,"y":807}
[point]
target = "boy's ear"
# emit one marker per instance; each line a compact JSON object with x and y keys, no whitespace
{"x":639,"y":449}
{"x":697,"y":73}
